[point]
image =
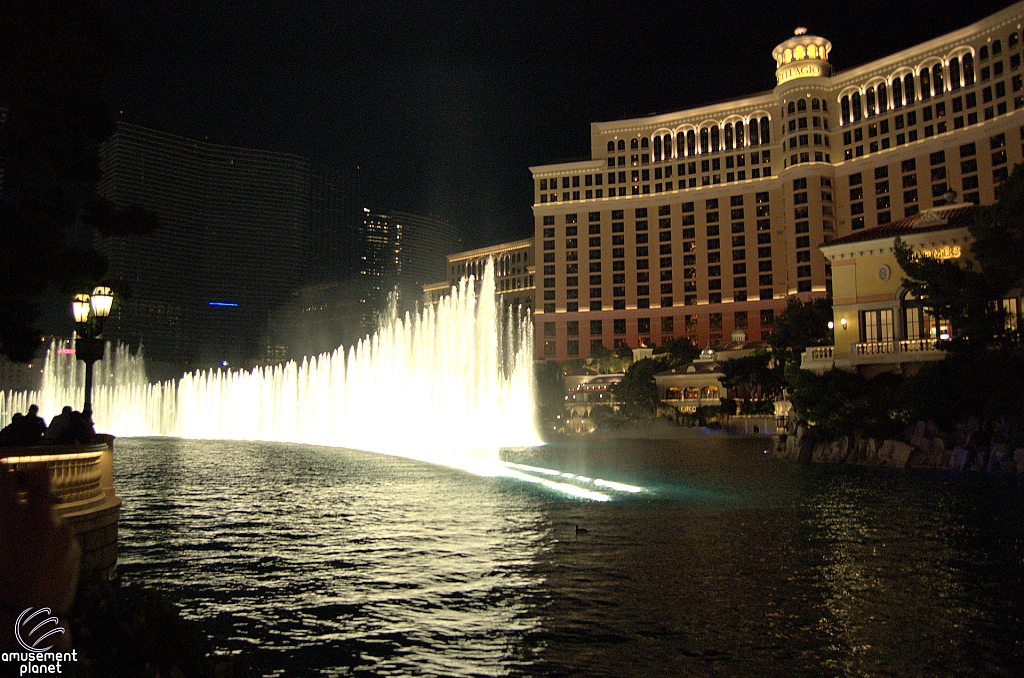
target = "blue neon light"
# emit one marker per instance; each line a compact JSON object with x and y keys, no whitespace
{"x":222,"y":303}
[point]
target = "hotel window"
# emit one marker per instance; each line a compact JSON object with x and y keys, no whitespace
{"x":926,"y":83}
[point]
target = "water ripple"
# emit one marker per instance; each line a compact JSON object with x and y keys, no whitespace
{"x":322,"y":562}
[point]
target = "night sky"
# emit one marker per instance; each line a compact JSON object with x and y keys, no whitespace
{"x":445,"y":105}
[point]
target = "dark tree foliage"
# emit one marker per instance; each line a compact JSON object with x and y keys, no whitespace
{"x":965,"y":294}
{"x":54,"y":64}
{"x":638,"y":391}
{"x":751,"y":377}
{"x":984,"y":386}
{"x":839,"y":403}
{"x":550,"y":391}
{"x":676,"y":352}
{"x":999,"y":236}
{"x":957,"y":292}
{"x":799,"y":326}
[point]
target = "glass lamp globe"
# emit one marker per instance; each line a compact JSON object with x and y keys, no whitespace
{"x":80,"y":308}
{"x":102,"y":300}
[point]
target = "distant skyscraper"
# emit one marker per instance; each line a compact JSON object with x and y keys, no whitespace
{"x":404,"y":250}
{"x":239,"y":230}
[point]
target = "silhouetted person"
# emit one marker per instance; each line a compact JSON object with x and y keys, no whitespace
{"x":10,"y":435}
{"x":59,"y":430}
{"x":81,"y":430}
{"x":35,"y":427}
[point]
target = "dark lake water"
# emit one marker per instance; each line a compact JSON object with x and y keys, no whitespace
{"x":318,"y":561}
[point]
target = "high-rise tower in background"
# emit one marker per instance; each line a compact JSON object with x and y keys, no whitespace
{"x":239,"y":230}
{"x":406,"y":251}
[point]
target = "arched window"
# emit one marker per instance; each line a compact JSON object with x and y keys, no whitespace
{"x":792,"y":108}
{"x":691,"y":393}
{"x":801,"y":105}
{"x":937,"y":79}
{"x":715,"y":139}
{"x":766,"y":132}
{"x":644,"y":143}
{"x":997,"y":47}
{"x":691,"y":143}
{"x":739,"y":135}
{"x":870,"y":96}
{"x":983,"y":52}
{"x":611,"y":146}
{"x":883,"y":98}
{"x":954,"y":73}
{"x":908,"y":88}
{"x":815,"y":104}
{"x":897,"y":93}
{"x":709,"y":392}
{"x":634,"y":144}
{"x":755,"y":138}
{"x":680,"y":145}
{"x":855,"y":109}
{"x":667,"y":145}
{"x":728,"y":136}
{"x":704,"y":141}
{"x":1012,"y":41}
{"x":657,"y":149}
{"x":845,"y":106}
{"x":926,"y":84}
{"x":968,"y":65}
{"x":622,"y":144}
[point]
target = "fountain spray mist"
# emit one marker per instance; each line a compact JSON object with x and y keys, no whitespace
{"x":451,"y":384}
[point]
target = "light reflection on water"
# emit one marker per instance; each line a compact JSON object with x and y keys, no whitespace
{"x":319,"y":561}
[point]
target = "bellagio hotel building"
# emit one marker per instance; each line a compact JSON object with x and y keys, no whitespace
{"x":701,"y":222}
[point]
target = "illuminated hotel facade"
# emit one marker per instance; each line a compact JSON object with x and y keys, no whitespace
{"x":514,"y":271}
{"x":700,"y":222}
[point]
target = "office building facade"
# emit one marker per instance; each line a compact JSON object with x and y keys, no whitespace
{"x":403,"y":251}
{"x":239,"y":230}
{"x":700,"y":222}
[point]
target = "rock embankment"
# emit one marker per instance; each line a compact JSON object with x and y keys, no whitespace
{"x":924,"y":447}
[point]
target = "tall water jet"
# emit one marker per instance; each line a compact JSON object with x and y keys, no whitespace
{"x":453,"y":379}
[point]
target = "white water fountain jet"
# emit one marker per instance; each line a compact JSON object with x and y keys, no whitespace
{"x":452,"y":385}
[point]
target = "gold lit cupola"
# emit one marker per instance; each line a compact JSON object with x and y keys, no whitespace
{"x":802,"y":56}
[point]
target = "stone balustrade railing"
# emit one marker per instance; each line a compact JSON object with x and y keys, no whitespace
{"x":917,"y":345}
{"x":82,"y":480}
{"x":874,"y":348}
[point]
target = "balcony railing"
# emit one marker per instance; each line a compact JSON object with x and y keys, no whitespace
{"x":822,"y":352}
{"x":81,"y":475}
{"x":917,"y":345}
{"x":874,"y":348}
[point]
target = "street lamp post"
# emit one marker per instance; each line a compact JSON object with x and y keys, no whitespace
{"x":89,"y":312}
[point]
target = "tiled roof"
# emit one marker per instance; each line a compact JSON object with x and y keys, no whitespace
{"x":935,"y":219}
{"x":699,"y":367}
{"x":744,"y":346}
